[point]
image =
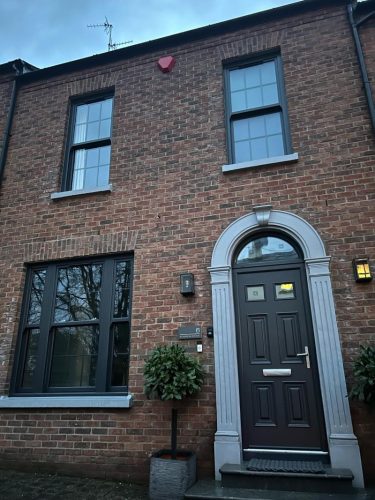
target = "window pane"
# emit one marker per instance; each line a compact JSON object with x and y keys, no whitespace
{"x":105,"y":129}
{"x":104,"y":155}
{"x":93,"y":121}
{"x":78,"y":293}
{"x":241,"y":130}
{"x":31,"y":339}
{"x":120,"y":361}
{"x":254,"y":86}
{"x":103,"y":175}
{"x":122,"y":290}
{"x":242,"y":151}
{"x":92,"y":157}
{"x":266,"y":248}
{"x":273,"y":123}
{"x":270,"y":95}
{"x":36,"y":296}
{"x":257,"y":127}
{"x":254,"y":293}
{"x":80,"y":133}
{"x":252,"y":76}
{"x":74,"y":356}
{"x":85,"y":175}
{"x":92,"y":131}
{"x":254,"y":98}
{"x":106,"y":111}
{"x":82,"y":112}
{"x":268,"y":72}
{"x":238,"y":100}
{"x":237,"y":79}
{"x":258,"y":149}
{"x":275,"y":145}
{"x":94,"y":111}
{"x":284,"y":291}
{"x":91,"y":178}
{"x":258,"y":137}
{"x":78,"y":169}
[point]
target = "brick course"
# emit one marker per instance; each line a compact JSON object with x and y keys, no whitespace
{"x":170,"y":202}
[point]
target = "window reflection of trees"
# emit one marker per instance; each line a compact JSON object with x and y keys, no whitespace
{"x":78,"y":293}
{"x":122,"y":290}
{"x":32,"y":336}
{"x":36,"y":296}
{"x":74,"y":325}
{"x":74,"y":356}
{"x":120,"y":354}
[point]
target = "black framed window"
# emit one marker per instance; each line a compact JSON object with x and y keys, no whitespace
{"x":256,"y":111}
{"x":89,"y":144}
{"x":75,"y":328}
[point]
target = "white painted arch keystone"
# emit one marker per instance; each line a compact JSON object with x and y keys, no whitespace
{"x":342,"y":443}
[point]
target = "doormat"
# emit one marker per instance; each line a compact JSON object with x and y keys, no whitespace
{"x":302,"y":466}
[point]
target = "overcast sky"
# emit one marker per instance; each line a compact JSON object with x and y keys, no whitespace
{"x":49,"y":32}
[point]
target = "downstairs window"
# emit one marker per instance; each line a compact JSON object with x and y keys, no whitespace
{"x":75,"y":328}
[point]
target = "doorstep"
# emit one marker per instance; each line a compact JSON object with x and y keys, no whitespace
{"x":212,"y":490}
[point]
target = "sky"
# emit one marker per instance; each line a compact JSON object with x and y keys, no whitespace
{"x":49,"y":32}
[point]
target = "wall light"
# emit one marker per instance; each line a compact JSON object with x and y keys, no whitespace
{"x":187,"y":284}
{"x":361,"y":269}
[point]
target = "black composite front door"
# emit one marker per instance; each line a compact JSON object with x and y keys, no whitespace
{"x":279,"y":389}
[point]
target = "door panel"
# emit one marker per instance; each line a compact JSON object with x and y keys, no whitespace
{"x":258,"y":338}
{"x":274,"y":329}
{"x":289,"y":337}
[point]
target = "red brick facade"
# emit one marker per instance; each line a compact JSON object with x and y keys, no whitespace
{"x":169,"y":204}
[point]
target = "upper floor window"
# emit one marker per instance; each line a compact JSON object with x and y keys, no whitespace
{"x":256,"y":111}
{"x":75,"y":328}
{"x":89,"y":148}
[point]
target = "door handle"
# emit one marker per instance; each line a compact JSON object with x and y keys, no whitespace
{"x":306,"y":355}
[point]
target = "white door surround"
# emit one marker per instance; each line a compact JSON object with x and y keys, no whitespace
{"x":342,"y":443}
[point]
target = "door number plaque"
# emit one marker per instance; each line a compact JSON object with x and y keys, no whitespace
{"x":189,"y":332}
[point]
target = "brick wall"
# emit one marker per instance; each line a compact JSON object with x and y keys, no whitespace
{"x":6,"y":85}
{"x":170,"y":202}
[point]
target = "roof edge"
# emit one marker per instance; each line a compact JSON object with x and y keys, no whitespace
{"x":17,"y":66}
{"x":176,"y":39}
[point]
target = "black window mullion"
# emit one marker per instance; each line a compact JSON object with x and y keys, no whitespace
{"x":44,"y":335}
{"x":97,"y":143}
{"x":105,"y":320}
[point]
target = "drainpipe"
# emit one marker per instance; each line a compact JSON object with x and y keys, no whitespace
{"x":18,"y":67}
{"x":355,"y":25}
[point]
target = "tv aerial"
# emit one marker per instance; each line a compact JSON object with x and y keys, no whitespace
{"x":108,"y":29}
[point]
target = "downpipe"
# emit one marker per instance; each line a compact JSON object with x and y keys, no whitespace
{"x":359,"y":50}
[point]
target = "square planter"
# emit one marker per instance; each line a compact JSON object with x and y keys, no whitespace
{"x":169,"y":479}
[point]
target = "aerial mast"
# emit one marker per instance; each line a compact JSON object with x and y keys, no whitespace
{"x":108,"y":29}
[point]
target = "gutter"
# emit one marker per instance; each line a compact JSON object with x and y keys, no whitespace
{"x":366,"y":83}
{"x":18,"y":67}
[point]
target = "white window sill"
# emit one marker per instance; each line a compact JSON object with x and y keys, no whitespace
{"x":258,"y":163}
{"x":112,"y":401}
{"x":80,"y":192}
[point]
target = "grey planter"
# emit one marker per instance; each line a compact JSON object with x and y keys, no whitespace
{"x":169,"y":479}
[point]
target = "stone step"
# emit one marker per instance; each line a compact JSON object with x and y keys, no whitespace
{"x":213,"y":490}
{"x":330,"y":481}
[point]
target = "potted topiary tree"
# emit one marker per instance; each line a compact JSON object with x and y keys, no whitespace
{"x":171,"y":374}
